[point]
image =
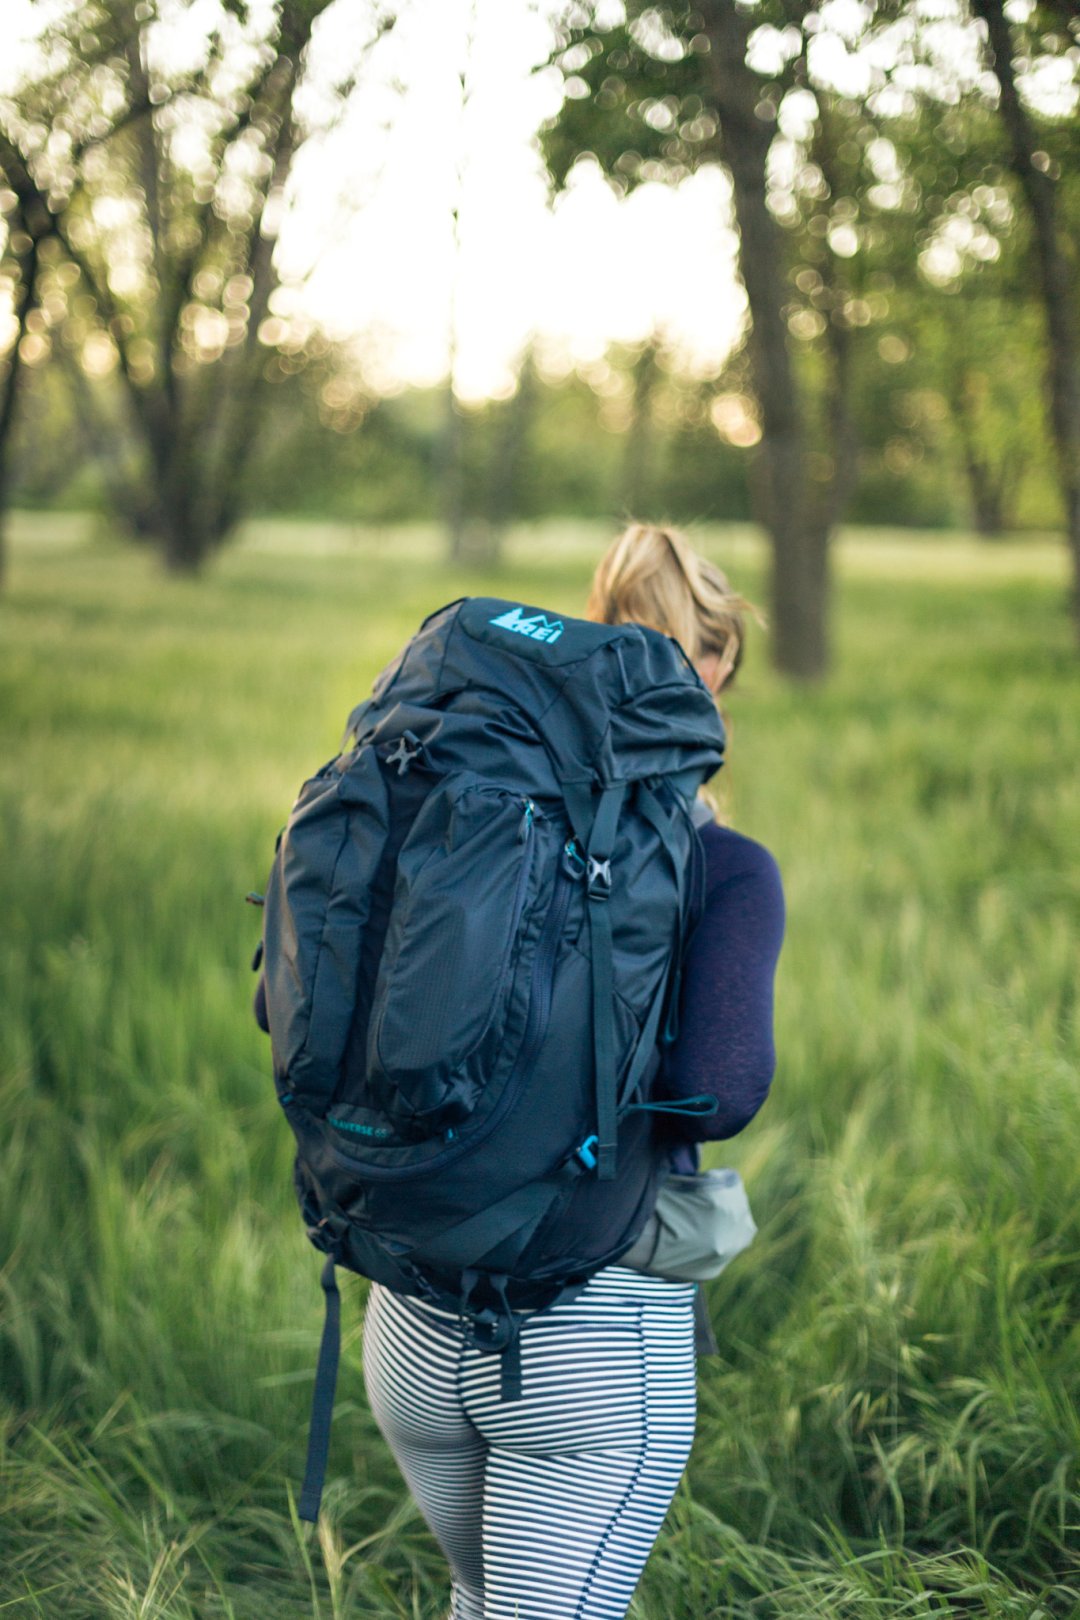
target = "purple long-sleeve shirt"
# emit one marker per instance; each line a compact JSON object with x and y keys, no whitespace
{"x":725,"y":1038}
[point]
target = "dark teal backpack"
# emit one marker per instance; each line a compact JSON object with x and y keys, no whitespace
{"x":472,"y":936}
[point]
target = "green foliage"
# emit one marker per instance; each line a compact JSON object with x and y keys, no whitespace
{"x":157,"y":172}
{"x":891,"y":1427}
{"x":641,"y":114}
{"x":379,"y":466}
{"x":900,"y":216}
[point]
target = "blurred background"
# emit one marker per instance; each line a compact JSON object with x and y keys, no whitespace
{"x":317,"y":314}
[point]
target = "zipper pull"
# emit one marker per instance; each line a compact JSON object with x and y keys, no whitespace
{"x":526,"y":820}
{"x":573,"y":865}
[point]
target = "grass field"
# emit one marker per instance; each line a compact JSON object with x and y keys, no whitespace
{"x":892,"y":1427}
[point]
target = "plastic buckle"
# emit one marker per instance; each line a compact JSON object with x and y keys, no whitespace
{"x":407,"y":749}
{"x":330,"y":1235}
{"x":598,"y":878}
{"x":488,"y":1329}
{"x":586,"y":1152}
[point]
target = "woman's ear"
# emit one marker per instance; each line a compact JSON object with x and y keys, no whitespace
{"x":727,"y":662}
{"x":708,"y":667}
{"x":715,"y":668}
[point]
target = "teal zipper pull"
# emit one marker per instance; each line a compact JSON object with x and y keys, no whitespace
{"x":573,"y":865}
{"x":526,"y":821}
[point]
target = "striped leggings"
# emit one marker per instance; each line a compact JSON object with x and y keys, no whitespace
{"x":546,"y":1508}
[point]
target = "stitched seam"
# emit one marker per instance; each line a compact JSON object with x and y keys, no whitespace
{"x":454,"y":630}
{"x":629,"y":1491}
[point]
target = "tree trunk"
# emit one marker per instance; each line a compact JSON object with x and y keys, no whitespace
{"x":184,"y":543}
{"x":511,"y":441}
{"x":193,"y":436}
{"x":838,"y":484}
{"x":991,"y":489}
{"x":1063,"y":346}
{"x":987,"y":517}
{"x":12,"y":384}
{"x":993,"y":492}
{"x":31,"y":225}
{"x":637,"y":482}
{"x":799,"y":594}
{"x":451,"y":475}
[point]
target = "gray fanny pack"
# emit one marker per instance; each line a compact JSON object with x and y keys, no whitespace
{"x":698,"y":1225}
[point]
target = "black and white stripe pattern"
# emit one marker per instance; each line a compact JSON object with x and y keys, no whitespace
{"x":547,"y":1507}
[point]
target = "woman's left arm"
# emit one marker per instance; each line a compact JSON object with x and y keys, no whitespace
{"x":725,"y":1038}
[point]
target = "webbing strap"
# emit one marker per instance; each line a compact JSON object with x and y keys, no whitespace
{"x":597,"y":827}
{"x":322,"y":1400}
{"x":603,"y":984}
{"x":660,"y":820}
{"x":471,"y":1239}
{"x":690,"y":880}
{"x":606,"y":821}
{"x":510,"y":1370}
{"x":704,"y":1338}
{"x":646,"y":1045}
{"x":510,"y":1362}
{"x":499,"y":1331}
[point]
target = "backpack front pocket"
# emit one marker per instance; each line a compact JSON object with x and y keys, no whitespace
{"x":463,"y":896}
{"x":318,"y":912}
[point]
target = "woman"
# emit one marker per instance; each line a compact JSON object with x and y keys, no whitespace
{"x":547,"y":1508}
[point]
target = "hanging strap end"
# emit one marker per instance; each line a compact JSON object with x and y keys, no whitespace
{"x":510,"y":1370}
{"x":322,"y":1401}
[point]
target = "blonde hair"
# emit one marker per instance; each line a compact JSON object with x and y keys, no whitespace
{"x":651,"y":574}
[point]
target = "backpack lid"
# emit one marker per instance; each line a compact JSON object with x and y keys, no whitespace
{"x":633,"y":704}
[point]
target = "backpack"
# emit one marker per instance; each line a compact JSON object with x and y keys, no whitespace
{"x":472,"y":934}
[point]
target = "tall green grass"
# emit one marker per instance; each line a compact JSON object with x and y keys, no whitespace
{"x":892,"y":1427}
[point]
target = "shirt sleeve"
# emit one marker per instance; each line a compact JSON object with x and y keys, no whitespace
{"x":724,"y":1044}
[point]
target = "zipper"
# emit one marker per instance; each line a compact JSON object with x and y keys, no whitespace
{"x":526,"y":836}
{"x":543,"y":974}
{"x":542,"y":984}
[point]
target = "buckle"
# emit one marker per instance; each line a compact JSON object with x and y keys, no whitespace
{"x":586,"y":1152}
{"x":330,"y":1235}
{"x":598,"y":878}
{"x":488,"y":1329}
{"x":407,"y":749}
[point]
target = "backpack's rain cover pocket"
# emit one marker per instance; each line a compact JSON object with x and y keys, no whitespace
{"x":446,"y":982}
{"x":318,"y":901}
